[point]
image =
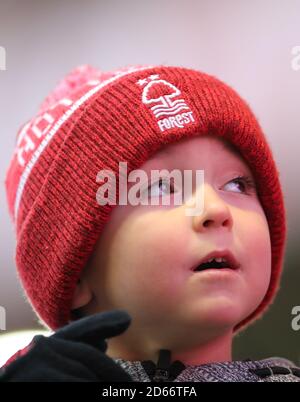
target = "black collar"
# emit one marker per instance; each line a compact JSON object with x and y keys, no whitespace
{"x":163,"y":371}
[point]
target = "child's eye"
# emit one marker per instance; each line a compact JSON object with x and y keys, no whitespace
{"x":245,"y":183}
{"x":162,"y":185}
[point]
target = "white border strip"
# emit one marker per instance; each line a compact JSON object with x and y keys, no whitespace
{"x":56,"y":127}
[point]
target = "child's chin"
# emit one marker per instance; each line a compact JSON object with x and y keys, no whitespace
{"x":221,"y":312}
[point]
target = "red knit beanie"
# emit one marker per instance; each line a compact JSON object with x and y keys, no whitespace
{"x":92,"y":121}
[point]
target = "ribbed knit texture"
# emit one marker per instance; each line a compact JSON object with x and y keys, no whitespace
{"x":59,"y":221}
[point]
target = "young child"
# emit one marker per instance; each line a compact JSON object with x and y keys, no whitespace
{"x":146,"y":291}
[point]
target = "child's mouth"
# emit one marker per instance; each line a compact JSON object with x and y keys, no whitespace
{"x":212,"y":265}
{"x":217,"y":260}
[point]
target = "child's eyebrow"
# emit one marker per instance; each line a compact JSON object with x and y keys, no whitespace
{"x":165,"y":150}
{"x":234,"y":151}
{"x":225,"y":145}
{"x":229,"y":147}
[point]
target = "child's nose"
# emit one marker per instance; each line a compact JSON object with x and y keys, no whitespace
{"x":215,"y":211}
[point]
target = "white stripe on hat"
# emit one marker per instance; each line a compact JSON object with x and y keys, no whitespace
{"x":54,"y":129}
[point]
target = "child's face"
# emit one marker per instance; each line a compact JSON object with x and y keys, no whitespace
{"x":144,"y":257}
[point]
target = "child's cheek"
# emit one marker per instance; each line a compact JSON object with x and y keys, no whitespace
{"x":153,"y":262}
{"x":254,"y":238}
{"x":257,"y":239}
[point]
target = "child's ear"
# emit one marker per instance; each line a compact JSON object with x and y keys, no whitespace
{"x":83,"y":294}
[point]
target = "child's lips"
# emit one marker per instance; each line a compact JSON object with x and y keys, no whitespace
{"x":224,"y":260}
{"x":223,"y":277}
{"x":218,"y":272}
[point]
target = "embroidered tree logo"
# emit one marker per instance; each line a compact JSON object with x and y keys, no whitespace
{"x":162,"y":93}
{"x":167,"y":101}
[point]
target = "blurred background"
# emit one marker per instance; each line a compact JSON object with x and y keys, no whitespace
{"x":251,"y":45}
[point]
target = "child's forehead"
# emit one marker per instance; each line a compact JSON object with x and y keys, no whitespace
{"x":173,"y":148}
{"x":184,"y":152}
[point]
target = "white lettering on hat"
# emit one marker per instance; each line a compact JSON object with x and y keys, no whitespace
{"x":29,"y":149}
{"x":166,"y":101}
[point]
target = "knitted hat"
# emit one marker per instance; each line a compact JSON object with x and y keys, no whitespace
{"x":92,"y":121}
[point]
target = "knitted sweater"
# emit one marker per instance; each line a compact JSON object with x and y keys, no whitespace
{"x":274,"y":369}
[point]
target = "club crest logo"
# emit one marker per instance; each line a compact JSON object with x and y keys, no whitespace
{"x":166,"y":103}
